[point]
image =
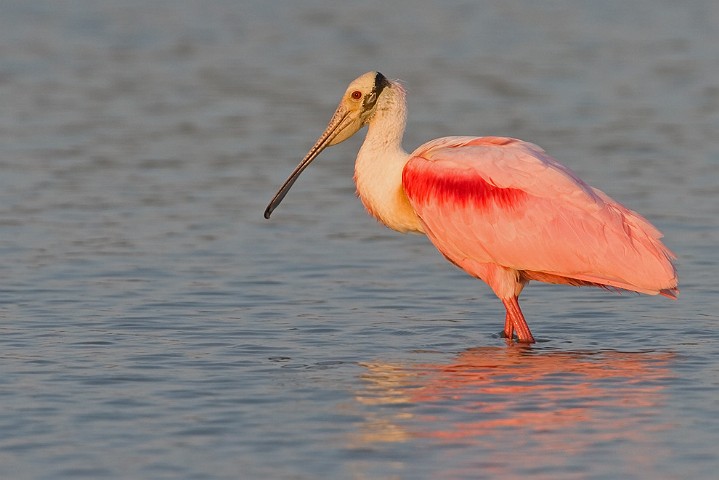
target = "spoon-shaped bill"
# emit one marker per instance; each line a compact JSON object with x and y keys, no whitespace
{"x":342,"y":126}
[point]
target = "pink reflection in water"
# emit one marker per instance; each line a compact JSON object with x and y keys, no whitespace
{"x":515,"y":409}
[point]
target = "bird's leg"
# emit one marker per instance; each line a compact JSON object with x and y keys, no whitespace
{"x":508,"y":327}
{"x":515,"y":322}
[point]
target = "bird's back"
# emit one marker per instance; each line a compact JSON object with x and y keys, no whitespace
{"x":502,"y":201}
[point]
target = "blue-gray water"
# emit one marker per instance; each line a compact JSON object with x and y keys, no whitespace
{"x":154,"y":325}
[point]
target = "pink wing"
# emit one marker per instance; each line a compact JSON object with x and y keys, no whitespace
{"x":505,"y":202}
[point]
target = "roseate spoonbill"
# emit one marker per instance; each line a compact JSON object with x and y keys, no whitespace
{"x":500,"y":209}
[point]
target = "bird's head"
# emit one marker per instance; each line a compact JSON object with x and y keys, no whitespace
{"x":356,"y":108}
{"x":358,"y":105}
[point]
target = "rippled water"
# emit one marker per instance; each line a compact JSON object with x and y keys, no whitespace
{"x":154,"y":325}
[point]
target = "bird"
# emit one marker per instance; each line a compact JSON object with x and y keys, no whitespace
{"x":499,"y":208}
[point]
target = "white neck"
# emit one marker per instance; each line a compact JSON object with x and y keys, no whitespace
{"x":379,"y":165}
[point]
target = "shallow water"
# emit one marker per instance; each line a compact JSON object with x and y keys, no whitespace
{"x":154,"y":325}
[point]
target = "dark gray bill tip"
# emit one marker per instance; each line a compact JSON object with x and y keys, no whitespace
{"x":275,"y":202}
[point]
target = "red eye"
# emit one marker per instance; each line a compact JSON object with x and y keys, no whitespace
{"x":356,"y":95}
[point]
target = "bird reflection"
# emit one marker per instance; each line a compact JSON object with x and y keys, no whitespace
{"x":516,"y":400}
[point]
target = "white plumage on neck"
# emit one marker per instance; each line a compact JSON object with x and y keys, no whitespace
{"x":379,"y":165}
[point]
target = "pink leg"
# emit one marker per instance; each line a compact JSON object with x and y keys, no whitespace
{"x":508,"y":327}
{"x":515,"y":322}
